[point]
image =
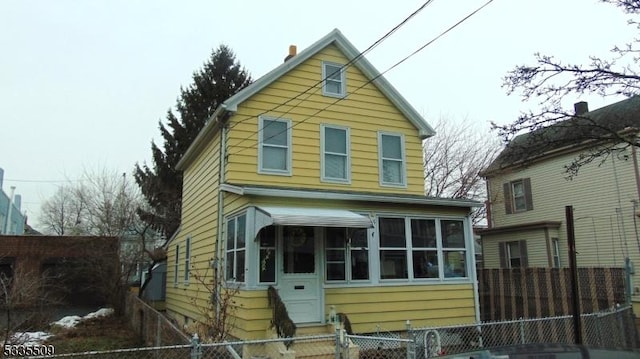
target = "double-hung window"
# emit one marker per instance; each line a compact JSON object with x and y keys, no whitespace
{"x":347,"y":254}
{"x":333,"y":76}
{"x":424,"y":245}
{"x":556,"y":252}
{"x":236,"y":245}
{"x":517,"y":196}
{"x":391,"y":159}
{"x":513,"y":254}
{"x":393,"y":248}
{"x":274,"y":152}
{"x":187,"y":260}
{"x":335,"y":153}
{"x":454,"y":253}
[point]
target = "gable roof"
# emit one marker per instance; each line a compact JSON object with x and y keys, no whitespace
{"x":571,"y":134}
{"x":336,"y":38}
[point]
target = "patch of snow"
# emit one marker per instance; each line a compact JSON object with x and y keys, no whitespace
{"x":68,"y":321}
{"x":30,"y":338}
{"x":104,"y":312}
{"x":73,"y":320}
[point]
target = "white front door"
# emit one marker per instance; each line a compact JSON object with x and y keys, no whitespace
{"x":299,"y":282}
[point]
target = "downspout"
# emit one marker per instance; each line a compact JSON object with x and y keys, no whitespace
{"x":634,"y":156}
{"x":218,"y":245}
{"x":474,"y":272}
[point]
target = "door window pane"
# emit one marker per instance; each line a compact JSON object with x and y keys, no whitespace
{"x":299,"y":253}
{"x":267,"y":268}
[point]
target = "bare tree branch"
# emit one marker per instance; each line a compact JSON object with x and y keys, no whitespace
{"x":453,"y":159}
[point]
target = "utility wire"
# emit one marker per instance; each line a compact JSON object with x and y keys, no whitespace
{"x":317,"y":86}
{"x":242,"y":148}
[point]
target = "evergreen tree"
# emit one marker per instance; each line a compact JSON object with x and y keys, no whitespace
{"x":219,"y":78}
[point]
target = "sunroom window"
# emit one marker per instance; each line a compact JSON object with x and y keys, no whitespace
{"x":422,"y":248}
{"x":347,"y":254}
{"x":236,"y":239}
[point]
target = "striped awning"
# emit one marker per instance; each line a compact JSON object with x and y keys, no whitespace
{"x":316,"y":217}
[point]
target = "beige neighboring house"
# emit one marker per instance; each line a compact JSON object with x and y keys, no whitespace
{"x":529,"y":188}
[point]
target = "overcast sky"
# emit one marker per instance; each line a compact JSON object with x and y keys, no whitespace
{"x":83,"y":84}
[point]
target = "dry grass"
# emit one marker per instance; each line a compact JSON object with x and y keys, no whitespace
{"x":103,"y":333}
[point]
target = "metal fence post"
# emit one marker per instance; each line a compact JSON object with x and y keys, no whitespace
{"x":196,"y":349}
{"x":522,"y":337}
{"x":338,"y":342}
{"x":411,"y":346}
{"x":622,"y":331}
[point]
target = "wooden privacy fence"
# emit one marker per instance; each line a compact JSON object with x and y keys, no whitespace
{"x":507,"y":294}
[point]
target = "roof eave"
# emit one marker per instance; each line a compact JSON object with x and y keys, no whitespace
{"x":210,"y":128}
{"x":340,"y":41}
{"x":297,"y":193}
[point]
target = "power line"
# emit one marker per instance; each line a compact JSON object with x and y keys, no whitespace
{"x":43,"y":181}
{"x":242,"y":148}
{"x":341,"y":68}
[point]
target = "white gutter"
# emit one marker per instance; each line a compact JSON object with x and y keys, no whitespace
{"x":218,"y":247}
{"x":289,"y":193}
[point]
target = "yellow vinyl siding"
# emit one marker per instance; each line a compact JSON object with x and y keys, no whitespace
{"x":388,"y":308}
{"x":364,"y":111}
{"x":370,"y":309}
{"x":199,"y":221}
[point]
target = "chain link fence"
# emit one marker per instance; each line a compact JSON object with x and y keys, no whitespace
{"x":614,"y":328}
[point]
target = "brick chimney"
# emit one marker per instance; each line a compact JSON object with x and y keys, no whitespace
{"x":581,"y":108}
{"x":293,"y":51}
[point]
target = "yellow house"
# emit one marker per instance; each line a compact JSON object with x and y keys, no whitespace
{"x":310,"y":180}
{"x":529,"y":188}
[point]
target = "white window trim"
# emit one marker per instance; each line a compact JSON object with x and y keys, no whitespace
{"x":403,"y":170}
{"x":262,"y":170}
{"x":187,"y":260}
{"x":343,"y":87}
{"x":324,"y":178}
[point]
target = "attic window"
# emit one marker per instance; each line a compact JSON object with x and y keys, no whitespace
{"x":333,"y":77}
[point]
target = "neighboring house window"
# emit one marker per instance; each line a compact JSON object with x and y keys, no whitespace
{"x":513,"y":254}
{"x":267,"y":238}
{"x":333,"y":76}
{"x":391,"y":159}
{"x":187,"y":260}
{"x":335,"y":153}
{"x":414,"y":248}
{"x":236,"y":239}
{"x":347,"y":254}
{"x":176,"y":267}
{"x":517,"y":196}
{"x":556,"y":252}
{"x":274,"y":153}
